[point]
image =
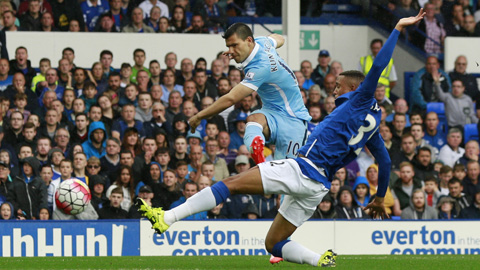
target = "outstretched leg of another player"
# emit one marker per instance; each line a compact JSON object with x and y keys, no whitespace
{"x":249,"y":182}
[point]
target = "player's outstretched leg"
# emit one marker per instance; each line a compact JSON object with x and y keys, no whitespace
{"x":255,"y":140}
{"x":328,"y":259}
{"x":156,"y":216}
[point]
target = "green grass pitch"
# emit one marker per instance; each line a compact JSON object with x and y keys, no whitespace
{"x":370,"y":262}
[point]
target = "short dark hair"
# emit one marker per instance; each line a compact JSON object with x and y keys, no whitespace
{"x":455,"y":180}
{"x":106,"y":52}
{"x":162,"y":150}
{"x":113,"y":74}
{"x":68,"y":49}
{"x":355,"y":75}
{"x":242,"y":30}
{"x":424,"y":148}
{"x":138,"y":50}
{"x":376,"y":40}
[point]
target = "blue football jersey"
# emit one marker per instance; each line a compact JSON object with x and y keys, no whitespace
{"x":354,"y":124}
{"x":268,"y":74}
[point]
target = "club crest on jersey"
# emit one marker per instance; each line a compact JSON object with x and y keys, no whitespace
{"x":250,"y":75}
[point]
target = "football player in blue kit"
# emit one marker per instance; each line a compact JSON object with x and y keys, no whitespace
{"x":283,"y":118}
{"x":335,"y":142}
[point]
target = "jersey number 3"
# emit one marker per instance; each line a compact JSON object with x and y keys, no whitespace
{"x":361,"y":132}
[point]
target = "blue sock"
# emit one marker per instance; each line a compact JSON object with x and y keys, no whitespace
{"x":252,"y":130}
{"x":220,"y":192}
{"x":277,"y":249}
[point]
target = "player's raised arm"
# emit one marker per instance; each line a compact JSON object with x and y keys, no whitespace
{"x":383,"y":57}
{"x":235,"y":95}
{"x":279,"y":39}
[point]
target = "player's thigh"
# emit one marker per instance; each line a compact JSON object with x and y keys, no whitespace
{"x":285,"y":177}
{"x":291,"y":135}
{"x":249,"y":182}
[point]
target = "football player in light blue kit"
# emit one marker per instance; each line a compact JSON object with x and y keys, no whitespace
{"x":335,"y":142}
{"x":283,"y":118}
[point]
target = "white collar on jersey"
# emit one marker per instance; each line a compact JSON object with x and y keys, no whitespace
{"x":250,"y":57}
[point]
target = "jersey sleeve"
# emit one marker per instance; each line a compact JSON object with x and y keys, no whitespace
{"x":256,"y":76}
{"x":376,"y":146}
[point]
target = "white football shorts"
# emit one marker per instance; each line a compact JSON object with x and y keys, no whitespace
{"x":302,"y":194}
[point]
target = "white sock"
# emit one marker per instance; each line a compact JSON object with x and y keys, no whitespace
{"x":202,"y":201}
{"x":294,"y":252}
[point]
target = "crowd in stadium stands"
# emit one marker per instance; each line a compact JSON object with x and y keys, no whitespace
{"x":125,"y":132}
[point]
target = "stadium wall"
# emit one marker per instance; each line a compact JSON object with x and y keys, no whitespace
{"x":206,"y":238}
{"x":345,"y":43}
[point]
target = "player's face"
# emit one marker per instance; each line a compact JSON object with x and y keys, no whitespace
{"x":342,"y":86}
{"x":239,"y":49}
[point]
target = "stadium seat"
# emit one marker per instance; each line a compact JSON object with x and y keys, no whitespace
{"x":470,"y":132}
{"x":439,"y":108}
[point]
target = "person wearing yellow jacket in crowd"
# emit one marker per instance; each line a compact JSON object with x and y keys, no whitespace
{"x":389,"y":74}
{"x":372,"y":177}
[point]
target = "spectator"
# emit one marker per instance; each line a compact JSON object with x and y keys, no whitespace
{"x":459,"y":108}
{"x":455,"y":189}
{"x":155,"y":71}
{"x":127,"y":120}
{"x":169,"y":85}
{"x":5,"y":79}
{"x":95,"y":144}
{"x":469,"y":29}
{"x":306,"y":70}
{"x":189,"y":190}
{"x":347,"y":207}
{"x":167,"y":192}
{"x":98,"y":186}
{"x":418,"y":135}
{"x":460,"y":73}
{"x":459,"y":171}
{"x":472,"y":211}
{"x":213,"y":15}
{"x":422,"y":163}
{"x":22,"y":64}
{"x":147,"y":5}
{"x":64,"y":11}
{"x":197,"y":26}
{"x":186,"y":72}
{"x":382,"y":99}
{"x":204,"y":87}
{"x":139,"y":58}
{"x":144,"y":110}
{"x":153,"y":20}
{"x":361,"y":191}
{"x":225,"y":151}
{"x":28,"y":192}
{"x":178,"y":22}
{"x":418,"y":209}
{"x":137,"y":25}
{"x":9,"y":20}
{"x":454,"y":26}
{"x":323,"y":67}
{"x":406,"y":153}
{"x":472,"y":152}
{"x":471,"y":183}
{"x":372,"y":177}
{"x":431,"y":191}
{"x":180,"y":152}
{"x":92,"y":9}
{"x":5,"y":182}
{"x":145,"y":193}
{"x":174,"y":106}
{"x":47,"y":23}
{"x":326,"y":209}
{"x":236,"y":136}
{"x":402,"y":190}
{"x":445,"y":174}
{"x":422,"y":84}
{"x":434,"y":136}
{"x":398,"y":127}
{"x":451,"y":152}
{"x":31,"y":19}
{"x":126,"y":183}
{"x":221,"y":170}
{"x":114,"y":209}
{"x":389,"y":74}
{"x":336,"y":68}
{"x":433,"y":29}
{"x":110,"y":163}
{"x":400,"y":106}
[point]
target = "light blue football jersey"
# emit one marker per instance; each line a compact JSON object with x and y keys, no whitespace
{"x":268,"y":74}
